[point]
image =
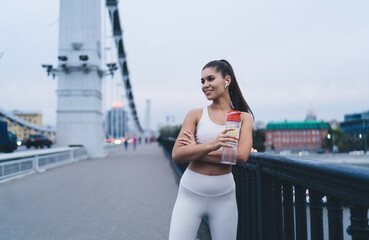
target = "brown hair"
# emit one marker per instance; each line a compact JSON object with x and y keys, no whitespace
{"x":237,"y":100}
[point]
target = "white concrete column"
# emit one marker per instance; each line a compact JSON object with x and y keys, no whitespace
{"x":79,"y":109}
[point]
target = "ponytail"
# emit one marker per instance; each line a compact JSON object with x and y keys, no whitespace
{"x":237,"y":100}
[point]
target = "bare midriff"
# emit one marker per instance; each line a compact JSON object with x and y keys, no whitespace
{"x":211,"y":169}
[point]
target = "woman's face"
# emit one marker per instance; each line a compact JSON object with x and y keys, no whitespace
{"x":212,"y":83}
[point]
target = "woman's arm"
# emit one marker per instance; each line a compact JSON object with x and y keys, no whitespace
{"x":191,"y":152}
{"x":244,"y":143}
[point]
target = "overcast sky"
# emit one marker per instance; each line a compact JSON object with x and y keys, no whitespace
{"x":287,"y":55}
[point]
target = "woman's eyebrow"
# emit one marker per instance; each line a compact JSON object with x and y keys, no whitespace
{"x":208,"y":77}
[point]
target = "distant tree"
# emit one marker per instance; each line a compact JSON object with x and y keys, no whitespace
{"x":258,"y":139}
{"x":169,"y":131}
{"x":344,"y":142}
{"x":328,"y":141}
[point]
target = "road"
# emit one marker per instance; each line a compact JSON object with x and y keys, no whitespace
{"x":127,"y":195}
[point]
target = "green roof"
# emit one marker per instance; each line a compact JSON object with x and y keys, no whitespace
{"x":297,"y":125}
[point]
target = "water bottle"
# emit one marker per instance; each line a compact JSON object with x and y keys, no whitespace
{"x":229,"y":155}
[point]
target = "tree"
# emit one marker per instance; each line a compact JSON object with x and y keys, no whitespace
{"x":344,"y":142}
{"x":258,"y":139}
{"x":169,"y":131}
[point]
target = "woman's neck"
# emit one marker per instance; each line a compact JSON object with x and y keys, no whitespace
{"x":222,"y":104}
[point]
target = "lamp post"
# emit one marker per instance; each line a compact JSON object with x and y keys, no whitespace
{"x":364,"y":135}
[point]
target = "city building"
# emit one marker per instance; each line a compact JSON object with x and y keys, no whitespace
{"x":356,"y":124}
{"x":29,"y":116}
{"x":22,"y":131}
{"x":295,"y":136}
{"x":335,"y":124}
{"x":116,"y":121}
{"x":311,"y":115}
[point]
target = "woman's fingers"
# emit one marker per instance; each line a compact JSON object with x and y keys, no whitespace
{"x":227,"y":130}
{"x":184,"y":141}
{"x":189,"y":134}
{"x":192,"y":136}
{"x":228,"y":139}
{"x":226,"y":145}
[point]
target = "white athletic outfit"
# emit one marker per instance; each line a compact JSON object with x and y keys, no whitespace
{"x":203,"y":195}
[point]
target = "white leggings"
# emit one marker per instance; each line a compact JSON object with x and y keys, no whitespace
{"x":202,"y":195}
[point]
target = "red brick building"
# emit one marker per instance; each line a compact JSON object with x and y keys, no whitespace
{"x":295,"y":136}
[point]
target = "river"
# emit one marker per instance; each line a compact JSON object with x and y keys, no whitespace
{"x":339,"y":158}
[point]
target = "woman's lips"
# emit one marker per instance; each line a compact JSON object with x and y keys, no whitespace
{"x":207,"y":92}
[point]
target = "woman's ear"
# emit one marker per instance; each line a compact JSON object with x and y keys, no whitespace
{"x":228,"y":80}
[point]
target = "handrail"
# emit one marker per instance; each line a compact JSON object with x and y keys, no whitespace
{"x":18,"y":164}
{"x":350,"y":183}
{"x":14,"y":165}
{"x":271,"y":197}
{"x":24,"y":123}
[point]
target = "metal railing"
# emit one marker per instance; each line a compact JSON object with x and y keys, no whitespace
{"x":111,"y":146}
{"x":17,"y":164}
{"x":272,"y":203}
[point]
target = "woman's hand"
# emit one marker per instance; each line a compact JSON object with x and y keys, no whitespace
{"x":190,"y":140}
{"x":222,"y":139}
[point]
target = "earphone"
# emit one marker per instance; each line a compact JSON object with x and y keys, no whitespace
{"x":226,"y":85}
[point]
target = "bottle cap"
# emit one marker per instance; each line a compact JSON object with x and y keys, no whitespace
{"x":234,"y":116}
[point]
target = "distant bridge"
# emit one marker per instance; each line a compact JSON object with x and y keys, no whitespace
{"x":24,"y":125}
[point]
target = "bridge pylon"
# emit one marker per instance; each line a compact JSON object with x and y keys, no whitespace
{"x":79,"y":107}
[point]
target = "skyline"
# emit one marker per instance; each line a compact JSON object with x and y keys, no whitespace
{"x":287,"y":56}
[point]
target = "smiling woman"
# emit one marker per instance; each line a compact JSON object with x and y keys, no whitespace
{"x":207,"y":186}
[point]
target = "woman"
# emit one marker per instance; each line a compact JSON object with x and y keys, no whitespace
{"x":207,"y":187}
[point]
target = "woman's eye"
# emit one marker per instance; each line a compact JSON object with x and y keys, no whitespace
{"x":202,"y":81}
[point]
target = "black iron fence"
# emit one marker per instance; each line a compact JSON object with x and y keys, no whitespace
{"x":273,"y":193}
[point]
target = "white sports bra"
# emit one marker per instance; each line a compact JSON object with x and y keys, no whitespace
{"x":206,"y":130}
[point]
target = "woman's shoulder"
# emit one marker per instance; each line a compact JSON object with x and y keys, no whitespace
{"x":247,"y":117}
{"x":196,"y":112}
{"x":193,"y":116}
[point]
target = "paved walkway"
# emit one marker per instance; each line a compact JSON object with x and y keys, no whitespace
{"x":127,"y":195}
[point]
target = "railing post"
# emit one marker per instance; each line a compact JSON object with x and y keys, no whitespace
{"x":249,"y":228}
{"x":335,"y":224}
{"x":71,"y":155}
{"x":254,"y":205}
{"x":289,"y":225}
{"x":259,"y":202}
{"x":243,"y":197}
{"x":266,"y":206}
{"x":36,"y":163}
{"x":276,"y":209}
{"x":237,"y":178}
{"x":300,"y":210}
{"x":358,"y":229}
{"x":316,"y":215}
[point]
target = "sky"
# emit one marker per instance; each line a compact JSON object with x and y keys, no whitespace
{"x":287,"y":55}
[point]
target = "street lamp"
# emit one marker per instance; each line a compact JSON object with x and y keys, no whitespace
{"x":112,"y":67}
{"x":50,"y":70}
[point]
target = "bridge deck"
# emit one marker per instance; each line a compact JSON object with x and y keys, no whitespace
{"x":127,"y":195}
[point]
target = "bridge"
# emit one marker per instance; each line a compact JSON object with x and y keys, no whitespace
{"x":84,"y":189}
{"x":130,"y":194}
{"x":126,"y":195}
